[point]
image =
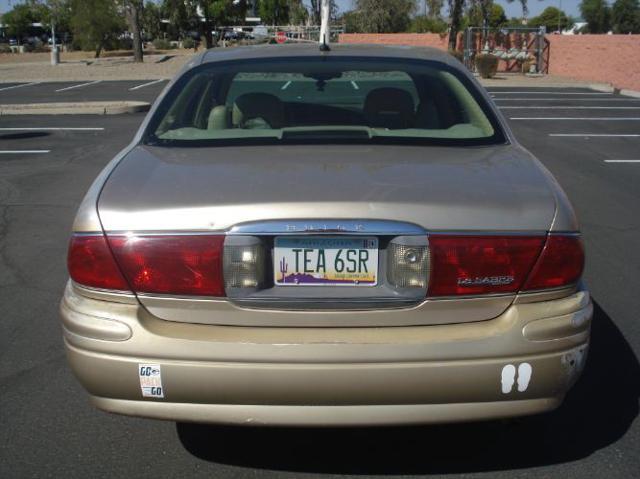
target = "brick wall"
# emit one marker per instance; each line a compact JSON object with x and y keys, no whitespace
{"x":613,"y":59}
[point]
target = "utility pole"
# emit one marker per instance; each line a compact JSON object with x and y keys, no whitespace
{"x":325,"y":13}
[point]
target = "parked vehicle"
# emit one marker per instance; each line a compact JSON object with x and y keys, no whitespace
{"x":338,"y":237}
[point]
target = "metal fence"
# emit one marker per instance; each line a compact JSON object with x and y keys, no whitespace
{"x":522,"y":50}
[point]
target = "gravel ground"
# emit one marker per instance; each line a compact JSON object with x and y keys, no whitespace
{"x":80,"y":66}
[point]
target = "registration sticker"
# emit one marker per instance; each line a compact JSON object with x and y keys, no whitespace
{"x":151,"y":380}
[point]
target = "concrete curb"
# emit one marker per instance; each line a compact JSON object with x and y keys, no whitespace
{"x":631,"y":93}
{"x":78,"y":108}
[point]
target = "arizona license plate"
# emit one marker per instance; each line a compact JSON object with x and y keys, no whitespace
{"x":325,"y":261}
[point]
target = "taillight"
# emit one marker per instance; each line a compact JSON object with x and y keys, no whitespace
{"x":91,"y":263}
{"x":171,"y":264}
{"x":560,"y":264}
{"x":469,"y":265}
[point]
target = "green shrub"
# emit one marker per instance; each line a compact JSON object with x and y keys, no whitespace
{"x":4,"y":48}
{"x":487,"y":65}
{"x":458,"y":54}
{"x":188,"y":43}
{"x":162,"y":44}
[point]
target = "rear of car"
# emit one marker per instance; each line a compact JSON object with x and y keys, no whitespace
{"x":341,"y":238}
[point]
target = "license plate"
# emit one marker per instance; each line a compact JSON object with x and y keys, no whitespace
{"x":325,"y":261}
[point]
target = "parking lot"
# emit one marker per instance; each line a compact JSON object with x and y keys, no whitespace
{"x":588,"y":139}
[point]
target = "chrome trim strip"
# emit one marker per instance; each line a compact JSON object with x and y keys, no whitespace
{"x":327,"y":226}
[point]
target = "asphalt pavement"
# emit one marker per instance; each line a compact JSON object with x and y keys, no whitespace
{"x":589,"y":140}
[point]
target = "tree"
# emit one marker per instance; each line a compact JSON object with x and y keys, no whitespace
{"x":298,"y":14}
{"x":384,"y":16}
{"x":456,"y":8}
{"x":95,"y":22}
{"x":493,"y":14}
{"x":552,"y":19}
{"x":274,"y":12}
{"x":625,"y":16}
{"x":525,"y":7}
{"x":216,"y":13}
{"x":434,"y":7}
{"x":597,"y":15}
{"x":316,"y":11}
{"x":427,"y":24}
{"x":133,"y":14}
{"x":151,"y":20}
{"x":19,"y":19}
{"x":182,"y":17}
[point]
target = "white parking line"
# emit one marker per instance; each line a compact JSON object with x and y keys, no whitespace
{"x":556,"y":107}
{"x":597,"y":134}
{"x":19,"y":86}
{"x":52,"y":128}
{"x":286,"y":85}
{"x":17,"y":152}
{"x":622,"y":161}
{"x":78,"y":86}
{"x":354,"y":85}
{"x":544,"y":93}
{"x":146,"y":84}
{"x":602,"y":118}
{"x":561,"y":99}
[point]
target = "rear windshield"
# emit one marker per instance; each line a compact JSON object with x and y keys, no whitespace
{"x":323,"y":99}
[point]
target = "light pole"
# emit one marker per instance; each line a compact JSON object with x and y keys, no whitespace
{"x":559,"y":15}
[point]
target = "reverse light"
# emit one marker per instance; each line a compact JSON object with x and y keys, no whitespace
{"x":243,"y":263}
{"x":188,"y":265}
{"x":408,"y":263}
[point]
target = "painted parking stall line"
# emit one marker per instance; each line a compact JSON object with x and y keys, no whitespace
{"x":558,"y":107}
{"x":597,"y":135}
{"x":622,"y":161}
{"x":81,"y":85}
{"x":576,"y":118}
{"x":22,"y":85}
{"x":144,"y":85}
{"x":51,"y":128}
{"x":23,"y":152}
{"x":533,"y":100}
{"x":547,"y":93}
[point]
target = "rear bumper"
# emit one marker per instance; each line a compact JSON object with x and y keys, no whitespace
{"x":329,"y":376}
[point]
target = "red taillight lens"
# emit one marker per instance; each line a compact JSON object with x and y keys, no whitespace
{"x":187,"y":265}
{"x":91,"y":263}
{"x":469,"y":265}
{"x":560,"y":264}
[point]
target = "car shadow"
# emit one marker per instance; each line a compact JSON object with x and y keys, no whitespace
{"x":596,"y":413}
{"x":24,"y":136}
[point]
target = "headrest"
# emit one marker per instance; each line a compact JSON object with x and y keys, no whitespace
{"x":218,"y":118}
{"x":391,"y":108}
{"x":258,"y":106}
{"x":427,"y":115}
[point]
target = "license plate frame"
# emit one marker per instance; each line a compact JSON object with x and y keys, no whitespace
{"x":291,"y":268}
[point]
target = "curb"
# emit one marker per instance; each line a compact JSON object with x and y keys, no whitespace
{"x":631,"y":93}
{"x":603,"y":87}
{"x":83,"y":108}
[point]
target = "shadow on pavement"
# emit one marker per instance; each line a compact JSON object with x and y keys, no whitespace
{"x":596,"y":413}
{"x":24,"y":136}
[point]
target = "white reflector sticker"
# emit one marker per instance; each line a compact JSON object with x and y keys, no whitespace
{"x":150,"y":380}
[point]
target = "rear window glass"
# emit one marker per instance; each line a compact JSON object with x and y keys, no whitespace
{"x":323,"y":99}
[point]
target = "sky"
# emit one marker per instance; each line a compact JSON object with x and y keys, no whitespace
{"x":512,"y":9}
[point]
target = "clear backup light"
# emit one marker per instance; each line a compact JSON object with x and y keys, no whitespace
{"x":243,"y":263}
{"x":408,"y":262}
